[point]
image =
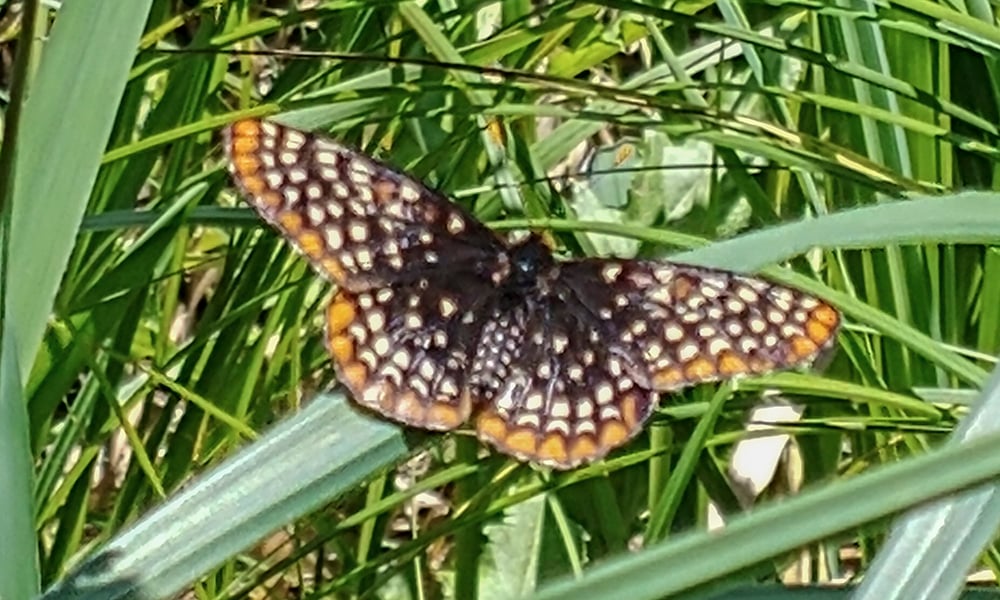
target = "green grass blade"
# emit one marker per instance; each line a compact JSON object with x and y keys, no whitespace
{"x":321,"y":452}
{"x":930,"y":550}
{"x":69,"y":113}
{"x":18,"y":555}
{"x":19,"y":564}
{"x":695,"y":559}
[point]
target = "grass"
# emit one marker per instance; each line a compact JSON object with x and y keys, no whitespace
{"x":165,"y":421}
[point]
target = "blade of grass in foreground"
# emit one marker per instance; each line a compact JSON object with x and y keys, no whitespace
{"x":323,"y":451}
{"x":86,"y":59}
{"x":19,"y":568}
{"x":698,"y":558}
{"x":69,"y":113}
{"x":931,"y":548}
{"x":18,"y":557}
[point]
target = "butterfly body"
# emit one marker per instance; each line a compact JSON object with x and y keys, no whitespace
{"x":439,"y":321}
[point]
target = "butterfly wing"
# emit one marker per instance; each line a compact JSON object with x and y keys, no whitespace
{"x":552,"y":392}
{"x":403,"y":351}
{"x":682,"y":325}
{"x":581,"y":371}
{"x":359,"y":222}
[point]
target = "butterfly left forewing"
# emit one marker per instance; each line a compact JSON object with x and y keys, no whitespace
{"x":359,"y":222}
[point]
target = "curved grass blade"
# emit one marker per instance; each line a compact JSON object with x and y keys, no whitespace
{"x":317,"y":454}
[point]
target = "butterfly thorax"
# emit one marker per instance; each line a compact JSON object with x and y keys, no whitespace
{"x":528,"y":269}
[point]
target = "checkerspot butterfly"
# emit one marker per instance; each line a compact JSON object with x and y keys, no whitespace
{"x":438,"y":320}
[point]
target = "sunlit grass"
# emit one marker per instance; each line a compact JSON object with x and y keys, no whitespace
{"x":164,"y":338}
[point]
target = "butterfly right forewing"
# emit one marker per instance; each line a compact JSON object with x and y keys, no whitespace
{"x":685,"y":325}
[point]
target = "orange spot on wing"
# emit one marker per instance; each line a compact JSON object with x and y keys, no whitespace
{"x":681,"y":287}
{"x":630,"y":415}
{"x":760,"y":365}
{"x":244,"y":145}
{"x":311,"y":244}
{"x":342,"y":348}
{"x":553,"y":449}
{"x":407,"y":409}
{"x":254,"y":186}
{"x":668,"y":378}
{"x":339,"y":315}
{"x":491,"y":427}
{"x":584,"y":449}
{"x":269,"y":199}
{"x":246,"y":128}
{"x":613,"y":434}
{"x":445,"y":416}
{"x":730,"y":364}
{"x":699,"y":369}
{"x":521,"y":441}
{"x":354,"y":375}
{"x":291,"y":222}
{"x":333,"y":268}
{"x":802,"y":347}
{"x":246,"y":166}
{"x":826,"y":315}
{"x":819,"y":332}
{"x":384,"y":190}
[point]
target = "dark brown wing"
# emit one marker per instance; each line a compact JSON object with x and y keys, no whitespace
{"x":552,"y":391}
{"x":359,"y":222}
{"x":579,"y":371}
{"x":404,"y":351}
{"x":682,"y":325}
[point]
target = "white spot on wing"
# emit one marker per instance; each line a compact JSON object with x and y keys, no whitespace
{"x":364,"y":258}
{"x":687,"y":352}
{"x":611,"y":272}
{"x":294,"y":139}
{"x":358,"y":232}
{"x":455,"y":223}
{"x":447,"y":307}
{"x":326,"y":158}
{"x":603,"y":393}
{"x":408,"y":192}
{"x":274,"y":179}
{"x":334,"y":239}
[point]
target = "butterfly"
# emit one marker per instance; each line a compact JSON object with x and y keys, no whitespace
{"x":438,"y":321}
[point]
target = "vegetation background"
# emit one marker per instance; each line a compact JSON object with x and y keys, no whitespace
{"x":154,"y":332}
